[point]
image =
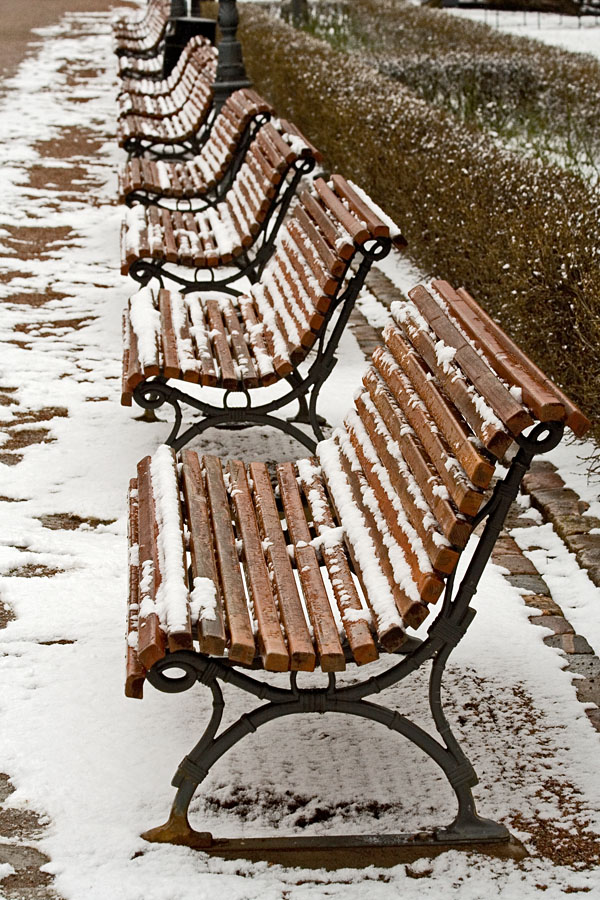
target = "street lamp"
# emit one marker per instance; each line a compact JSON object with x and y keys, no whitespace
{"x":231,"y":74}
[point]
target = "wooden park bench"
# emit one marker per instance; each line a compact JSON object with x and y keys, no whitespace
{"x":301,"y":303}
{"x":203,"y":180}
{"x":148,"y":69}
{"x":338,"y":563}
{"x":157,"y":99}
{"x":178,"y":132}
{"x":146,"y":42}
{"x":134,"y":28}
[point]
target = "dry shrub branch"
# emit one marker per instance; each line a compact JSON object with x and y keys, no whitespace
{"x":522,"y":237}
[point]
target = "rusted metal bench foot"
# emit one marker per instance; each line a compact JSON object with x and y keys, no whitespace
{"x":355,"y":851}
{"x":177,"y":830}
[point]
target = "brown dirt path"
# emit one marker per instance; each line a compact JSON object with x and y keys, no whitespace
{"x":17,"y":20}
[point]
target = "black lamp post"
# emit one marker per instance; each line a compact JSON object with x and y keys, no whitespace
{"x":231,"y":74}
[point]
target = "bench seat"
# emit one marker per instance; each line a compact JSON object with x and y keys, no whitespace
{"x":132,"y":67}
{"x":211,"y":170}
{"x":219,"y":234}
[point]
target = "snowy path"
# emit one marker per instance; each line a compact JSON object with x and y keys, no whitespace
{"x":95,"y":766}
{"x":577,"y":35}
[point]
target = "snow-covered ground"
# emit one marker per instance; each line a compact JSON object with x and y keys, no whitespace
{"x":97,"y":767}
{"x":581,"y":35}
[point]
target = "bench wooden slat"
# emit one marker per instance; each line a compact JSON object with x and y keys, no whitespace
{"x":170,"y":365}
{"x":135,"y":671}
{"x":476,"y":466}
{"x":334,"y":555}
{"x":240,"y":347}
{"x":199,"y":331}
{"x":329,"y":258}
{"x":413,"y":611}
{"x":302,"y":654}
{"x":544,"y":398}
{"x":356,"y":229}
{"x":327,"y":282}
{"x":211,"y":620}
{"x":377,"y":227}
{"x":151,"y":640}
{"x":331,"y":655}
{"x":229,"y":377}
{"x":320,"y":299}
{"x":437,"y":488}
{"x":271,"y":643}
{"x":241,"y":647}
{"x":263,"y":360}
{"x":491,"y":432}
{"x":512,"y":413}
{"x":420,"y":515}
{"x":428,"y":584}
{"x":336,"y":237}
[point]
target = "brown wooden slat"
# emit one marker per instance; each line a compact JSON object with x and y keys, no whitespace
{"x":271,"y":643}
{"x":413,"y":612}
{"x":492,"y":435}
{"x":329,"y":258}
{"x":289,"y":128}
{"x":335,"y":557}
{"x":356,"y":229}
{"x":477,"y":467}
{"x":238,"y":343}
{"x":539,"y":392}
{"x":167,"y":330}
{"x":512,"y":413}
{"x":429,"y":585}
{"x":255,"y":341}
{"x":302,"y":654}
{"x":333,"y":234}
{"x":135,"y":671}
{"x":326,"y":281}
{"x":241,"y":647}
{"x":211,"y":631}
{"x":443,"y":558}
{"x":467,"y":498}
{"x":331,"y":655}
{"x":359,"y":207}
{"x":321,"y":300}
{"x":220,"y":346}
{"x":151,"y":640}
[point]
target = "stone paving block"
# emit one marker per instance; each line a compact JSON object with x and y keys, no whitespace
{"x":594,"y":575}
{"x":584,"y":664}
{"x":569,"y":643}
{"x":558,"y":624}
{"x":555,"y":503}
{"x":533,"y":583}
{"x":574,"y":525}
{"x":542,"y":476}
{"x":588,"y":690}
{"x":516,"y":564}
{"x":384,"y":289}
{"x":546,"y":605}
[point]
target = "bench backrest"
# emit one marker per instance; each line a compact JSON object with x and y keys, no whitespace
{"x":230,"y":134}
{"x":444,"y":399}
{"x":307,"y":276}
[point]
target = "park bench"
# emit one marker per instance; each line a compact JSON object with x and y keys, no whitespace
{"x":151,"y":36}
{"x":130,"y":27}
{"x":301,"y":303}
{"x":179,"y":133}
{"x":165,"y":97}
{"x":338,"y":563}
{"x":132,"y":67}
{"x":240,"y":230}
{"x":203,"y":180}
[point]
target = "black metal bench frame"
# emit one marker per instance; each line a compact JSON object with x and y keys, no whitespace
{"x":455,"y":616}
{"x":305,"y":388}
